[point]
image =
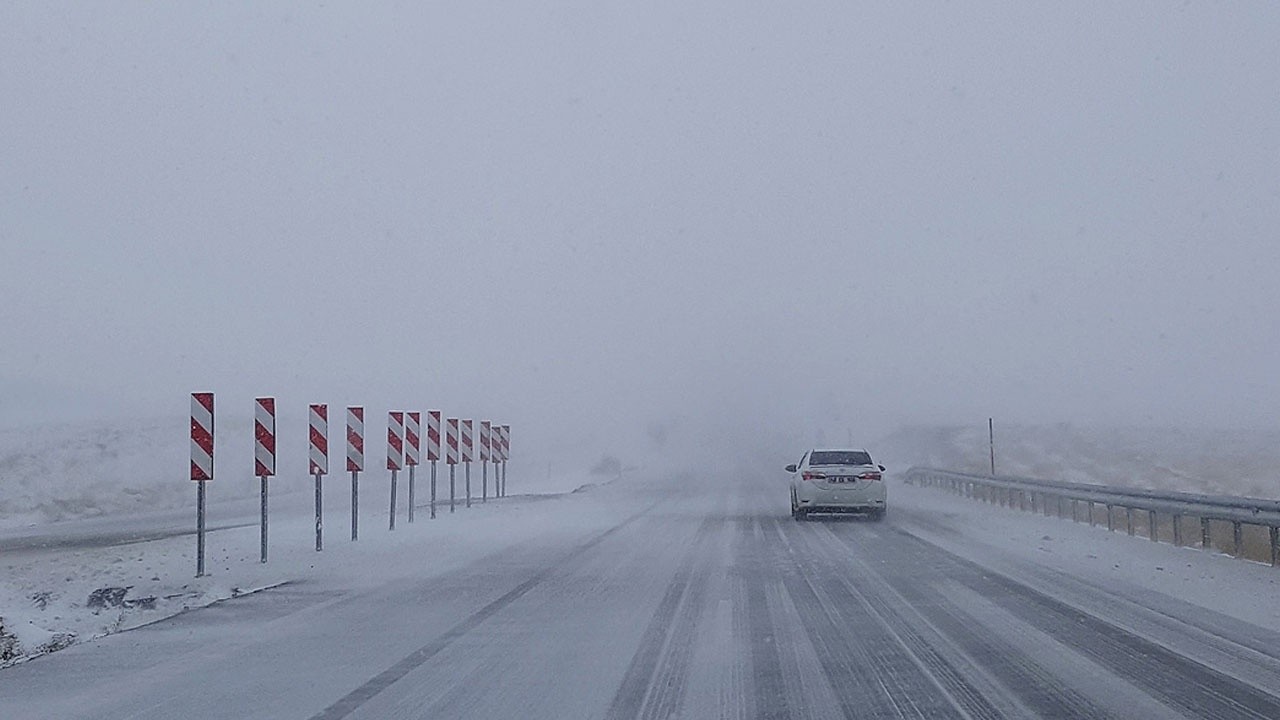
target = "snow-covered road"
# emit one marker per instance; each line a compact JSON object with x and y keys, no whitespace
{"x":701,"y":598}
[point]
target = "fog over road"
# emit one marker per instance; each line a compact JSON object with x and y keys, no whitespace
{"x":693,"y":598}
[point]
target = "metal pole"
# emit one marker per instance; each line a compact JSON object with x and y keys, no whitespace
{"x":411,"y":483}
{"x":264,"y":517}
{"x":199,"y":528}
{"x":451,"y":486}
{"x":504,"y":478}
{"x":433,"y":489}
{"x":468,"y":464}
{"x":355,"y":504}
{"x":319,"y":517}
{"x":484,"y":481}
{"x":991,"y":440}
{"x":1205,"y":541}
{"x":393,"y":499}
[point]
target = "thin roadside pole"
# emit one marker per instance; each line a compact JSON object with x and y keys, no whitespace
{"x":319,"y":516}
{"x":200,"y":528}
{"x":433,"y":489}
{"x":263,"y":481}
{"x":355,"y":504}
{"x":991,"y":443}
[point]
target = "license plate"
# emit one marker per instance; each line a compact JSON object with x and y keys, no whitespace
{"x":842,"y":479}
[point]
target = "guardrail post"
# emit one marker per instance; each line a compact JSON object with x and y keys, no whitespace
{"x":1237,"y":537}
{"x":1074,"y":514}
{"x":1111,"y":523}
{"x":1128,"y":519}
{"x":1177,"y":530}
{"x":1091,"y":522}
{"x":1153,"y":526}
{"x":1204,"y":534}
{"x":1275,"y":545}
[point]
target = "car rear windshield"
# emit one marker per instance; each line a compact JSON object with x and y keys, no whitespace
{"x":839,"y":457}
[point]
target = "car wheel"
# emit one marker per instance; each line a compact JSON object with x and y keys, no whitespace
{"x":800,"y":514}
{"x":878,"y":514}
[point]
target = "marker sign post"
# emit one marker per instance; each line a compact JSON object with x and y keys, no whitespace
{"x":318,"y":422}
{"x":433,"y":452}
{"x":395,"y":454}
{"x":201,"y":463}
{"x":506,"y":455}
{"x":485,"y":444}
{"x":264,"y":453}
{"x":412,"y":450}
{"x":495,"y":456}
{"x":355,"y":462}
{"x":467,"y":454}
{"x":451,"y":455}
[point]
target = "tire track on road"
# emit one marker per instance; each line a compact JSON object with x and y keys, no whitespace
{"x":653,"y":685}
{"x":352,"y":701}
{"x":872,"y":672}
{"x":1182,"y":683}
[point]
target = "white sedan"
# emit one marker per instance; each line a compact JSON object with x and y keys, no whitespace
{"x":837,"y":481}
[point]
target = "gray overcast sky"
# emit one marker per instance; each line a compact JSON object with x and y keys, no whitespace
{"x":575,"y":214}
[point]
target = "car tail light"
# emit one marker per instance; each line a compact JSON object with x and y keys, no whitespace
{"x":807,"y":475}
{"x":869,"y":476}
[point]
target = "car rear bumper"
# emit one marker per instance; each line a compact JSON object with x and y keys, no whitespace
{"x":844,"y":508}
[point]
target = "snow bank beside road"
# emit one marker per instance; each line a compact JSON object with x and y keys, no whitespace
{"x":1005,"y":539}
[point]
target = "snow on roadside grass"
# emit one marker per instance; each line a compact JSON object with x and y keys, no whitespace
{"x":52,"y":598}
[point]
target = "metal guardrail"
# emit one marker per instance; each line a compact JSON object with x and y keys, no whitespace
{"x":1037,"y":495}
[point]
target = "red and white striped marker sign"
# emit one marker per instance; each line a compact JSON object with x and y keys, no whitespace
{"x":319,"y":422}
{"x":506,"y":443}
{"x":355,"y":439}
{"x":486,"y":440}
{"x":395,"y":440}
{"x":201,"y":436}
{"x":451,"y":441}
{"x":468,"y":446}
{"x":412,"y":439}
{"x":264,"y":437}
{"x":433,"y":435}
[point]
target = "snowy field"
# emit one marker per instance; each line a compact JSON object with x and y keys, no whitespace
{"x":1229,"y":462}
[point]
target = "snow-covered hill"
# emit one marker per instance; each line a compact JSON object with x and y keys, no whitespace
{"x":1230,"y":462}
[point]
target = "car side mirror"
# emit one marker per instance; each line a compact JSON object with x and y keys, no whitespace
{"x":881,"y":468}
{"x":791,"y":468}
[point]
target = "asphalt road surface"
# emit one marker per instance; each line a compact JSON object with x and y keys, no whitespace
{"x":698,"y":600}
